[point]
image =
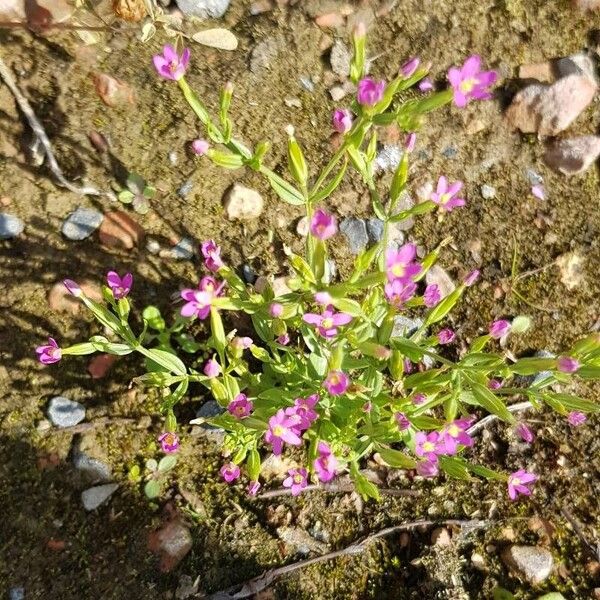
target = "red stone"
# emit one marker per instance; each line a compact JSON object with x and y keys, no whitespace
{"x":171,"y":542}
{"x":100,"y":365}
{"x":119,"y":230}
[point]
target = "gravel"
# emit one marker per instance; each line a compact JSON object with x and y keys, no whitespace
{"x":64,"y":412}
{"x":10,"y":226}
{"x":81,"y":223}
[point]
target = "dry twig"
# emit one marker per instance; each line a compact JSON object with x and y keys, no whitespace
{"x":482,"y":423}
{"x":334,"y":489}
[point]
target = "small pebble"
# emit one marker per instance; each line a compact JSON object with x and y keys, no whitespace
{"x":173,"y":158}
{"x":487,"y":191}
{"x":388,"y":158}
{"x":307,"y":84}
{"x":185,"y":189}
{"x":302,"y":226}
{"x":16,"y":593}
{"x":153,"y":246}
{"x":249,"y":274}
{"x":450,"y":152}
{"x":355,"y":231}
{"x":81,"y":223}
{"x":184,"y":249}
{"x":95,"y":470}
{"x":94,"y":497}
{"x":243,"y":203}
{"x":64,"y":412}
{"x":10,"y":226}
{"x":375,"y":229}
{"x":405,"y":326}
{"x":209,"y":409}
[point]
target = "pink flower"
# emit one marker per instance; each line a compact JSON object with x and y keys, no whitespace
{"x":399,"y":263}
{"x":410,"y":141}
{"x":230,"y":472}
{"x":336,"y":383}
{"x":326,"y":464}
{"x":398,"y":292}
{"x":524,"y":433}
{"x":469,"y":82}
{"x":342,"y":120}
{"x":455,"y":434}
{"x":120,"y":287}
{"x":304,"y":411}
{"x":212,"y":255}
{"x":323,"y":225}
{"x":169,"y":442}
{"x":445,"y":195}
{"x":284,"y":339}
{"x":200,"y":147}
{"x":402,"y":421}
{"x":212,"y":368}
{"x":253,"y":488}
{"x":428,"y":445}
{"x":432,"y":295}
{"x":472,"y":277}
{"x":241,"y":343}
{"x":567,"y":364}
{"x":446,"y":336}
{"x":327,"y":322}
{"x":409,"y":67}
{"x":275,"y":310}
{"x":494,"y":384}
{"x":408,"y":366}
{"x":282,"y":429}
{"x":198,"y":301}
{"x":297,"y":480}
{"x":499,"y":328}
{"x":576,"y":418}
{"x":240,"y":406}
{"x":425,"y":85}
{"x":169,"y":64}
{"x":419,"y":399}
{"x":370,"y":92}
{"x":49,"y":353}
{"x":323,"y":298}
{"x":518,"y":482}
{"x":428,"y":468}
{"x":73,"y":287}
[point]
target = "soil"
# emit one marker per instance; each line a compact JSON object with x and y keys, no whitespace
{"x":48,"y":543}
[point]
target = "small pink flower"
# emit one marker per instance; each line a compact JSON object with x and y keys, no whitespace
{"x":297,"y":480}
{"x":327,"y":322}
{"x":169,"y":442}
{"x":284,"y":339}
{"x":410,"y":141}
{"x":367,"y":407}
{"x":472,"y":277}
{"x":446,"y":336}
{"x":170,"y":65}
{"x":336,"y":383}
{"x":304,"y":411}
{"x":240,"y":406}
{"x":370,"y":92}
{"x":49,"y":353}
{"x":398,"y":292}
{"x":253,"y":488}
{"x":241,"y":343}
{"x":499,"y":328}
{"x":73,"y":287}
{"x":432,"y":295}
{"x":408,"y":366}
{"x":275,"y":310}
{"x":212,"y":368}
{"x":455,"y":434}
{"x":399,"y":263}
{"x":212,"y":255}
{"x":323,"y":225}
{"x":524,"y":433}
{"x":445,"y":194}
{"x":469,"y":82}
{"x":402,"y":421}
{"x":230,"y":472}
{"x":198,"y":302}
{"x":567,"y":364}
{"x":576,"y":418}
{"x":326,"y":464}
{"x":409,"y":67}
{"x":494,"y":384}
{"x":428,"y":445}
{"x":342,"y":120}
{"x":428,"y":468}
{"x":425,"y":85}
{"x":119,"y":286}
{"x":200,"y":147}
{"x":518,"y":483}
{"x":419,"y":399}
{"x":282,"y":429}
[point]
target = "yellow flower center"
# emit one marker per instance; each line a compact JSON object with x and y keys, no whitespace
{"x":515,"y":480}
{"x":278,"y":430}
{"x":398,"y":270}
{"x":298,"y":479}
{"x":428,"y":446}
{"x":467,"y":85}
{"x":327,"y":323}
{"x":334,"y":379}
{"x":453,"y":430}
{"x":240,"y":410}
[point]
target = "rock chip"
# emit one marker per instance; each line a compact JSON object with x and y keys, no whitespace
{"x":532,"y":563}
{"x":388,"y":158}
{"x":573,"y":156}
{"x":543,"y":72}
{"x":10,"y":226}
{"x":64,"y":412}
{"x":355,"y":231}
{"x":439,"y":276}
{"x":548,"y":110}
{"x":301,"y":541}
{"x":340,"y":58}
{"x":184,"y":249}
{"x":330,"y":20}
{"x":249,"y":274}
{"x":119,"y":230}
{"x":100,"y":365}
{"x":171,"y":542}
{"x":243,"y":203}
{"x":81,"y":223}
{"x":405,"y":326}
{"x":93,"y":469}
{"x":576,"y":64}
{"x":571,"y":269}
{"x":113,"y":92}
{"x":185,"y":188}
{"x":95,"y":496}
{"x":16,"y":593}
{"x":487,"y":191}
{"x":14,"y":10}
{"x":440,"y":536}
{"x":203,"y":9}
{"x":219,"y":38}
{"x":375,"y":229}
{"x":303,"y":226}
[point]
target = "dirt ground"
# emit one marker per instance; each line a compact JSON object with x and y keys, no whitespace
{"x":103,"y":554}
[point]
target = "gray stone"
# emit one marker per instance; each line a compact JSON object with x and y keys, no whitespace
{"x":405,"y":202}
{"x":185,"y":188}
{"x":355,"y":231}
{"x":405,"y":326}
{"x":203,"y":9}
{"x":242,"y":203}
{"x":488,"y":192}
{"x":10,"y":226}
{"x":573,"y":156}
{"x":81,"y":223}
{"x":388,"y":158}
{"x":576,"y":64}
{"x":249,"y":274}
{"x":303,"y":226}
{"x":16,"y":593}
{"x":301,"y":540}
{"x":340,"y":58}
{"x":209,"y":409}
{"x":93,"y":469}
{"x":532,"y":563}
{"x":184,"y":249}
{"x":375,"y":229}
{"x":450,"y":152}
{"x":95,"y":496}
{"x":438,"y":275}
{"x":533,"y":177}
{"x":64,"y":412}
{"x":307,"y":83}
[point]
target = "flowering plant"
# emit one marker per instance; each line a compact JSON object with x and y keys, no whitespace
{"x":336,"y":366}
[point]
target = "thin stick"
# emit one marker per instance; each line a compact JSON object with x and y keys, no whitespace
{"x":334,"y":489}
{"x":38,"y":130}
{"x":82,"y":427}
{"x":481,"y":424}
{"x":65,"y":26}
{"x":595,"y":552}
{"x":257,"y":584}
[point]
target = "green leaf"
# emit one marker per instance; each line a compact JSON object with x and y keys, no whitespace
{"x":441,"y":309}
{"x":152,"y":316}
{"x":166,"y":360}
{"x":331,"y":186}
{"x":318,"y":363}
{"x":168,"y":402}
{"x":226,"y":160}
{"x":364,"y":487}
{"x":253,"y":464}
{"x":125,"y":196}
{"x":501,"y":594}
{"x":302,"y":268}
{"x":287,"y":192}
{"x":152,"y":489}
{"x":296,"y":161}
{"x":218,"y":333}
{"x":454,"y":467}
{"x":485,"y":398}
{"x":346,"y":305}
{"x":79,"y":349}
{"x":573,"y":402}
{"x":532,"y":365}
{"x":552,"y":596}
{"x":395,"y":458}
{"x":485,"y":472}
{"x":166,"y":463}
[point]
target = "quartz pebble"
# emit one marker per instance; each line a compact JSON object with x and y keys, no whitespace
{"x":94,"y":497}
{"x":81,"y":223}
{"x":242,"y":203}
{"x":64,"y":412}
